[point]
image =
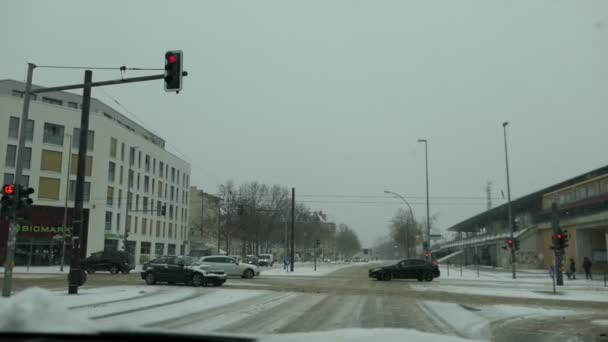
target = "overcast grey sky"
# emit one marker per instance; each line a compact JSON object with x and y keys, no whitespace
{"x":331,"y":96}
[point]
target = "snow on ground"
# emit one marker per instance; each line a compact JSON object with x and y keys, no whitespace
{"x":88,"y":296}
{"x":603,"y":322}
{"x":362,"y":335}
{"x":38,"y":270}
{"x":502,"y":291}
{"x":306,"y":269}
{"x":474,"y":322}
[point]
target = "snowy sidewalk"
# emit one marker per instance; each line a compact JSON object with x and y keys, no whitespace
{"x":306,"y":269}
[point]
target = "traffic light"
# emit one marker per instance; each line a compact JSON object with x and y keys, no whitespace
{"x":564,"y":238}
{"x":24,"y":203}
{"x":7,"y":201}
{"x":318,"y":242}
{"x":516,"y":223}
{"x":516,"y":243}
{"x":559,"y":240}
{"x":510,"y":243}
{"x":426,"y":254}
{"x":173,"y":70}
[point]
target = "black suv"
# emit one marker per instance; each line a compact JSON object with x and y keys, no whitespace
{"x":112,"y":261}
{"x":406,"y":269}
{"x":181,"y":269}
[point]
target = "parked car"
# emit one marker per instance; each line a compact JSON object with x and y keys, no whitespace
{"x":181,"y":269}
{"x":112,"y":261}
{"x":231,"y":266}
{"x":251,"y":259}
{"x":406,"y":269}
{"x":266,"y":260}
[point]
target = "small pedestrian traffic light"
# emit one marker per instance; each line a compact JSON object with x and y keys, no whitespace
{"x":8,"y":201}
{"x":173,"y":70}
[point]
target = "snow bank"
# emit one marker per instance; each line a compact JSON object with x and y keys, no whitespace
{"x":362,"y":335}
{"x":39,"y":310}
{"x":306,"y":269}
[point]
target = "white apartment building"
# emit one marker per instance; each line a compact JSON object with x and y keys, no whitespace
{"x":126,"y":163}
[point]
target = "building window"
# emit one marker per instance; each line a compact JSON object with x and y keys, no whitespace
{"x":90,"y":139}
{"x":139,"y":159}
{"x":108,"y":220}
{"x":120,"y":176}
{"x":182,"y":249}
{"x":170,"y":230}
{"x":88,"y":165}
{"x":172,"y":175}
{"x":48,"y":188}
{"x":161,"y":167}
{"x":146,"y":183}
{"x":27,"y":157}
{"x":157,"y":228}
{"x":171,"y":249}
{"x":164,"y":229}
{"x":147,"y":163}
{"x":113,"y":146}
{"x":166,"y":187}
{"x":158,"y":208}
{"x":136,"y":202}
{"x":53,"y":134}
{"x":129,"y":200}
{"x":154,"y":166}
{"x":145,"y":204}
{"x":13,"y":127}
{"x":119,"y":197}
{"x":144,"y":225}
{"x":86,"y":192}
{"x":171,"y":211}
{"x":111,"y":171}
{"x":8,"y":178}
{"x":51,"y":161}
{"x":152,"y":190}
{"x":110,"y":196}
{"x":73,"y":104}
{"x":11,"y":156}
{"x":160,"y":189}
{"x":138,"y":181}
{"x":51,"y":100}
{"x":132,"y":156}
{"x":171,"y":193}
{"x":117,"y":221}
{"x":122,"y":152}
{"x":135,"y":230}
{"x":21,"y":94}
{"x":130,"y":180}
{"x":159,"y":249}
{"x":592,"y":189}
{"x":144,"y":248}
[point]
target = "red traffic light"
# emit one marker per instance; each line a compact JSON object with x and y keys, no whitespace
{"x":510,"y":242}
{"x":559,"y":236}
{"x":8,"y":189}
{"x":171,"y":59}
{"x":426,"y":254}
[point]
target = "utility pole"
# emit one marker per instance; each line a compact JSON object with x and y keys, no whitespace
{"x":510,"y":213}
{"x":558,"y":252}
{"x":78,"y":201}
{"x":293,"y":223}
{"x":65,"y":207}
{"x":12,"y":225}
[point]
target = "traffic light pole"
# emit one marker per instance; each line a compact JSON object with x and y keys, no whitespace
{"x":510,"y":212}
{"x":78,"y":200}
{"x":12,"y":226}
{"x":293,"y":223}
{"x":558,"y":252}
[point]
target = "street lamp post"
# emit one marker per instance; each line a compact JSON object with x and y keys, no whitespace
{"x":129,"y":201}
{"x":428,"y":214}
{"x":509,"y":212}
{"x":407,"y":233}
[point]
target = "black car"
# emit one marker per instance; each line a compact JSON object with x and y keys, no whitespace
{"x":406,"y":269}
{"x":112,"y":261}
{"x":181,"y":269}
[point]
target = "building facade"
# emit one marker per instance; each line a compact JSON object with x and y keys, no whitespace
{"x":130,"y":176}
{"x":204,"y":222}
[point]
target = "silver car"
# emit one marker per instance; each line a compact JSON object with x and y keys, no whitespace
{"x":231,"y":266}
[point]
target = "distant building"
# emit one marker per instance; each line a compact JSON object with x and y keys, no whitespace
{"x":583,"y":212}
{"x":126,"y":165}
{"x":204,"y":222}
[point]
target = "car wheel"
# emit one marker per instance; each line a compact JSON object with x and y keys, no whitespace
{"x":386,"y":276}
{"x":197,"y":279}
{"x":90,"y":270}
{"x":428,"y":276}
{"x":248,"y":274}
{"x":150,"y":278}
{"x":114,"y":269}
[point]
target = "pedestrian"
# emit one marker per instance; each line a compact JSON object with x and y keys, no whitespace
{"x":587,"y":266}
{"x":572,"y":271}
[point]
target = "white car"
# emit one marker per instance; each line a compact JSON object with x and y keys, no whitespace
{"x":231,"y":266}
